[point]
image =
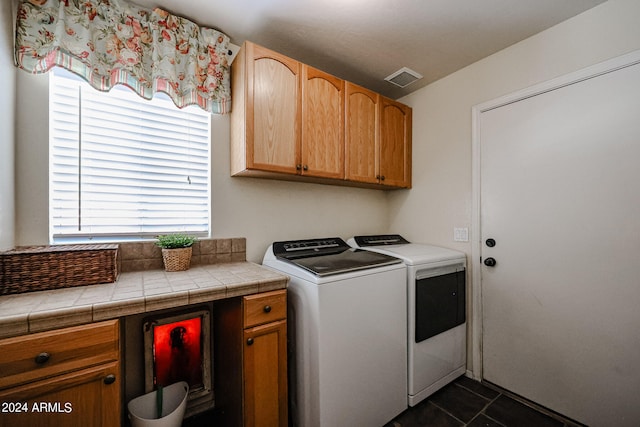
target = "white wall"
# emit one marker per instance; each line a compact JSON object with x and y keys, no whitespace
{"x":441,"y":197}
{"x":7,"y":102}
{"x":263,"y":211}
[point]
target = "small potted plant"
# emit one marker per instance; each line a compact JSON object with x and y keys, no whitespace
{"x":176,"y":251}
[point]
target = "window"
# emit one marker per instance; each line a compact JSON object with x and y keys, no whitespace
{"x":122,"y":166}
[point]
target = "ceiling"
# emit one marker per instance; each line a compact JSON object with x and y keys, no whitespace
{"x":364,"y":41}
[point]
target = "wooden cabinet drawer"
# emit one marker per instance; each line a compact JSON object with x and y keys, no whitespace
{"x":33,"y":357}
{"x":264,"y":308}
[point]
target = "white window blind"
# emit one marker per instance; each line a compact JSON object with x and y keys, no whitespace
{"x":123,"y":166}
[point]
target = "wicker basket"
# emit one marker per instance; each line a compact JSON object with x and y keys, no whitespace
{"x":38,"y":268}
{"x":176,"y":259}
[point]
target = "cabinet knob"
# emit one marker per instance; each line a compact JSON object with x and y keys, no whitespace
{"x":298,"y":167}
{"x":267,"y":309}
{"x":305,"y":168}
{"x":381,"y":177}
{"x":42,"y":358}
{"x":249,"y":341}
{"x":109,"y":379}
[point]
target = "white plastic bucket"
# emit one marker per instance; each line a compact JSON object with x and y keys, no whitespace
{"x":143,"y":410}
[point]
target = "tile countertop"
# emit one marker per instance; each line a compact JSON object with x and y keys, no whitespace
{"x":133,"y":293}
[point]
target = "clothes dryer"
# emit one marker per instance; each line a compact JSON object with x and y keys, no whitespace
{"x":436,"y":311}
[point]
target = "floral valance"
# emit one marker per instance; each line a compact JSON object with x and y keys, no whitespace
{"x":110,"y":42}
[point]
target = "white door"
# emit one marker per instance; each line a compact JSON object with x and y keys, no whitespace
{"x":560,"y":195}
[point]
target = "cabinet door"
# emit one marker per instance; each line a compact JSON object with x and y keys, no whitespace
{"x":265,"y":370}
{"x":273,"y":111}
{"x":361,"y":134}
{"x":395,"y":143}
{"x":322,"y":124}
{"x":86,"y":398}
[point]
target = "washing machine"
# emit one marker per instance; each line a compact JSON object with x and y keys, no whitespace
{"x":346,"y":323}
{"x":436,"y":311}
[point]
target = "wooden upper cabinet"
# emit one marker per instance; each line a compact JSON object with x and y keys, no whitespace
{"x":292,"y":121}
{"x":395,"y":143}
{"x":322,"y":124}
{"x":265,"y":128}
{"x":378,"y":139}
{"x":361,"y":134}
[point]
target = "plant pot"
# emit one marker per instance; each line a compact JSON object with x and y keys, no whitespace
{"x":177,"y":259}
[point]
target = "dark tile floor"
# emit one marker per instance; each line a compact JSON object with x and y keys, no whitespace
{"x":466,"y":402}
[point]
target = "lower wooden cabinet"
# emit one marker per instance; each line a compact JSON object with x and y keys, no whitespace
{"x":69,"y":377}
{"x":265,"y":379}
{"x":251,"y":360}
{"x":80,"y":399}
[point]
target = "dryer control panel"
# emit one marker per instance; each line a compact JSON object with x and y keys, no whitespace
{"x":380,"y":240}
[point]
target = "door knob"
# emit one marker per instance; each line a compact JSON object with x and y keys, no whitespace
{"x":490,"y":262}
{"x":490,"y":242}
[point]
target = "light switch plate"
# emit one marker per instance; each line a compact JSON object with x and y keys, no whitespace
{"x":461,"y":234}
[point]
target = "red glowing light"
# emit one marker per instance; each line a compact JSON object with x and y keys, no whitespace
{"x":178,"y":353}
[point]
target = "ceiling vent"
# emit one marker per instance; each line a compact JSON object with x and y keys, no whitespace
{"x":403,"y":77}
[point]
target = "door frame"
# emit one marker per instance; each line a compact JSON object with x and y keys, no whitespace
{"x":605,"y":67}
